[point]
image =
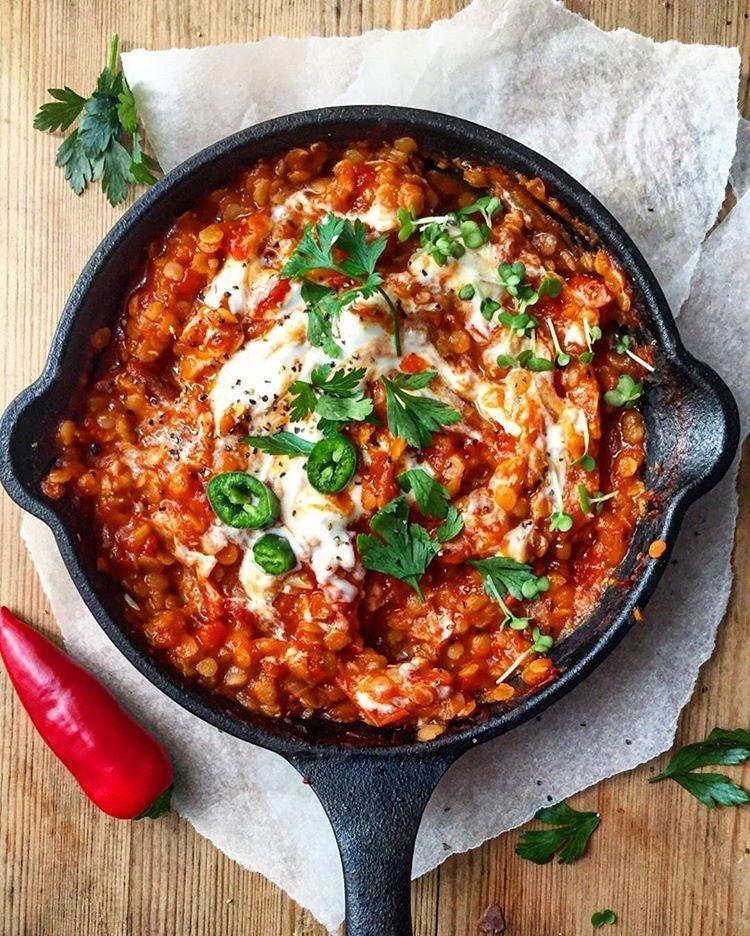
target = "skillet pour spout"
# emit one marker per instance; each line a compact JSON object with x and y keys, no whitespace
{"x":374,"y":786}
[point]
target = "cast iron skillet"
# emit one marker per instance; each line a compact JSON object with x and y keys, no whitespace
{"x":374,"y":785}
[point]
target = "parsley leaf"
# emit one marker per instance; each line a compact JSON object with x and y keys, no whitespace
{"x":315,"y":252}
{"x":126,"y":110}
{"x":362,"y":257}
{"x":433,"y":499}
{"x":142,"y":166}
{"x":510,"y":577}
{"x":344,"y":409}
{"x":75,"y":164}
{"x":323,"y":309}
{"x":60,"y":113}
{"x":303,"y":400}
{"x":116,"y":175}
{"x":401,"y":549}
{"x":315,"y":248}
{"x":99,"y":125}
{"x":414,"y":418}
{"x":337,"y":382}
{"x":98,"y":148}
{"x":501,"y":577}
{"x":281,"y":443}
{"x":335,"y":395}
{"x":722,"y":746}
{"x":568,"y":840}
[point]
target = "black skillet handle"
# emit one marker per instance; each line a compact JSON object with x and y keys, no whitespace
{"x":375,"y":804}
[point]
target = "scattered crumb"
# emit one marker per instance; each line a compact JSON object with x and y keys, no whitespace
{"x":492,"y":921}
{"x":637,"y":614}
{"x":657,"y":549}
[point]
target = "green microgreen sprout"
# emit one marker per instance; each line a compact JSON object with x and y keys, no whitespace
{"x":448,"y":236}
{"x":586,"y":461}
{"x":626,"y":393}
{"x":592,"y":333}
{"x":467,"y":291}
{"x":488,"y":307}
{"x":513,"y":282}
{"x":542,"y":642}
{"x":527,"y":359}
{"x":559,"y":520}
{"x":596,"y":501}
{"x":510,"y":619}
{"x":562,"y":358}
{"x":624,"y":344}
{"x":521,"y":322}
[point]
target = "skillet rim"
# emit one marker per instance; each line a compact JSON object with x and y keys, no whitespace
{"x":277,"y":736}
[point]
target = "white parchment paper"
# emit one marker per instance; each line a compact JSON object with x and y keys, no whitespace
{"x":649,"y":128}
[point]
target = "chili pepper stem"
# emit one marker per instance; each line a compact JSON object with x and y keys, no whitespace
{"x":160,"y":806}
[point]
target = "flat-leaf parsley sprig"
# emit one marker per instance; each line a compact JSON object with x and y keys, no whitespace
{"x":722,"y":747}
{"x":412,"y":417}
{"x":98,"y":147}
{"x":432,"y":499}
{"x":401,"y":549}
{"x":314,"y":252}
{"x":569,"y":840}
{"x":336,"y":396}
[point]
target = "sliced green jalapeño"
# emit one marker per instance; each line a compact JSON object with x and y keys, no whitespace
{"x":242,"y":501}
{"x":274,"y":554}
{"x":332,"y":464}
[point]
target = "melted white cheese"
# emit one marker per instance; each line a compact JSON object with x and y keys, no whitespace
{"x":368,"y":703}
{"x":478,"y":268}
{"x":516,"y":542}
{"x":378,"y":216}
{"x":307,"y":205}
{"x":202,"y":563}
{"x":230,"y":281}
{"x":257,"y":377}
{"x":313,"y":524}
{"x":574,"y":335}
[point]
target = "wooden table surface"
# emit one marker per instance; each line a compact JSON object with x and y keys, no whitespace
{"x":667,"y":865}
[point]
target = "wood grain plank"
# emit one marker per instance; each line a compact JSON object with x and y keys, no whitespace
{"x":668,"y":866}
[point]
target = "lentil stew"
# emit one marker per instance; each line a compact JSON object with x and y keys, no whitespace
{"x":450,"y":325}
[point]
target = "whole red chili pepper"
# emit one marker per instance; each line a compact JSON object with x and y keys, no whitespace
{"x":120,"y":766}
